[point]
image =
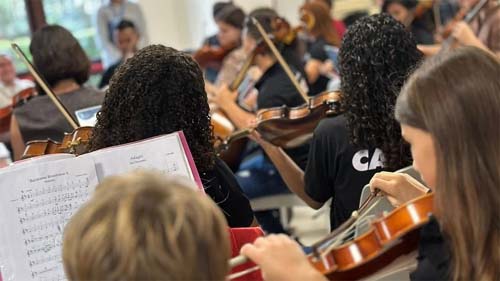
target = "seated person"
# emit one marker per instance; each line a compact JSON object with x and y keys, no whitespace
{"x":160,"y":91}
{"x":458,"y":158}
{"x":213,"y":42}
{"x":62,"y":62}
{"x":482,"y":32}
{"x":143,"y":226}
{"x":348,"y":149}
{"x":319,"y":69}
{"x":10,"y":85}
{"x":337,"y":25}
{"x":257,"y":175}
{"x":229,"y":19}
{"x":127,"y":38}
{"x":404,"y":11}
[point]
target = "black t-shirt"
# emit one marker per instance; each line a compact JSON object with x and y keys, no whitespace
{"x":317,"y":51}
{"x":221,"y":185}
{"x":433,"y":254}
{"x":276,"y":89}
{"x":336,"y":169}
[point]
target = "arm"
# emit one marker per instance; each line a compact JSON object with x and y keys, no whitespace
{"x":429,"y":50}
{"x":465,"y":36}
{"x":281,"y":258}
{"x":16,"y":139}
{"x":226,"y":100}
{"x":399,"y":188}
{"x":292,"y":175}
{"x":312,"y":70}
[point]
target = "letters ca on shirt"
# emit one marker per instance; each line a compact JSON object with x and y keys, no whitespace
{"x":362,"y":161}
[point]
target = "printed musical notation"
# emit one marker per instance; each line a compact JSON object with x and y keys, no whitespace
{"x":38,"y":206}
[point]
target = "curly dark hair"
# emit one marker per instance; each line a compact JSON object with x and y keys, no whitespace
{"x":158,"y":91}
{"x":376,"y":57}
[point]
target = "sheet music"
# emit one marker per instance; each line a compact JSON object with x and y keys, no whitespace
{"x":164,"y":154}
{"x":36,"y":202}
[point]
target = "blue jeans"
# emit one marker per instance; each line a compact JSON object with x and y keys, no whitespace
{"x":258,"y":177}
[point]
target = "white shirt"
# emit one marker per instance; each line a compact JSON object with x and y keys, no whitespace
{"x":7,"y":92}
{"x":109,"y":16}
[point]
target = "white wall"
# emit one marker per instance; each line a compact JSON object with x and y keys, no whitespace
{"x":184,"y":24}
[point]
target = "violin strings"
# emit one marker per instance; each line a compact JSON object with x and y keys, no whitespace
{"x":338,"y":240}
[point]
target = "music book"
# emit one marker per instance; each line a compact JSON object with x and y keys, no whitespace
{"x":38,"y":196}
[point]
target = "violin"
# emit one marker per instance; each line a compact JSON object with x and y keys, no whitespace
{"x":6,"y":112}
{"x":464,"y":14}
{"x":75,"y":142}
{"x":212,"y":56}
{"x":388,"y":238}
{"x":291,"y":127}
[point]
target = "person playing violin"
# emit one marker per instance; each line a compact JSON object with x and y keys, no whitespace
{"x":229,"y":19}
{"x":338,"y":25}
{"x":457,"y":156}
{"x":405,"y":12}
{"x":159,"y":91}
{"x":65,"y":66}
{"x":323,"y":36}
{"x":483,"y":32}
{"x":347,"y":150}
{"x":144,"y":226}
{"x":213,"y":42}
{"x":257,"y":176}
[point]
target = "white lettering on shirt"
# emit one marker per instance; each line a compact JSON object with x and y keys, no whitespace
{"x":362,"y":162}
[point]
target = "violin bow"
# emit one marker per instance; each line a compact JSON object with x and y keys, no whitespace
{"x":468,"y":18}
{"x":280,"y":59}
{"x":41,"y":81}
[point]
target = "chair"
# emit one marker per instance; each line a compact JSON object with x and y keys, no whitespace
{"x":283,"y":202}
{"x":238,"y":238}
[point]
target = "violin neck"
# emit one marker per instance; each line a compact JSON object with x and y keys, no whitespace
{"x":242,"y":73}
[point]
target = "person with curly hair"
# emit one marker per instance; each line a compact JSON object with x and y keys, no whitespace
{"x":160,"y":91}
{"x":457,"y":156}
{"x":376,"y":57}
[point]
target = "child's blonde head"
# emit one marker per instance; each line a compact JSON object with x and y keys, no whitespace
{"x":144,"y":226}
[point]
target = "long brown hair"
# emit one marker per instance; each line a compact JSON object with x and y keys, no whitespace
{"x":322,"y":27}
{"x":142,"y":226}
{"x":456,"y":98}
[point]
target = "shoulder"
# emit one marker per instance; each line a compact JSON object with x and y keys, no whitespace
{"x":91,"y":91}
{"x":331,"y":126}
{"x":36,"y":102}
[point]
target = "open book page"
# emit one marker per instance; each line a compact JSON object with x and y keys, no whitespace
{"x":166,"y":154}
{"x":39,"y":159}
{"x":36,"y":201}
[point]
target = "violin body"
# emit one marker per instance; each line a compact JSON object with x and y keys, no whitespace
{"x":74,"y":143}
{"x":389,"y":237}
{"x":6,"y":112}
{"x":292,"y":127}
